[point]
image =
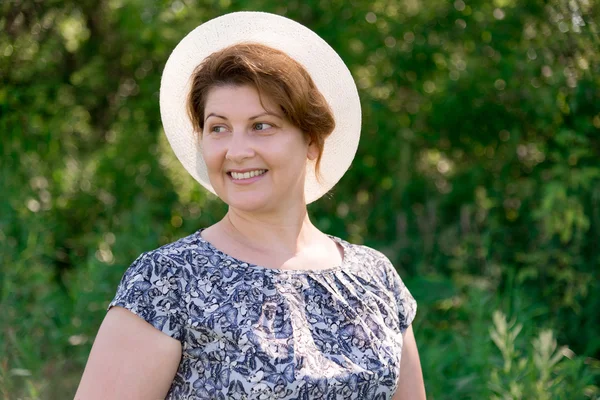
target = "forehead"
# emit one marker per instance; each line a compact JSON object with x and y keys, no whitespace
{"x":238,"y":98}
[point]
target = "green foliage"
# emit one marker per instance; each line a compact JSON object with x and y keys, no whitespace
{"x":539,"y":374}
{"x":477,"y":174}
{"x":470,"y":351}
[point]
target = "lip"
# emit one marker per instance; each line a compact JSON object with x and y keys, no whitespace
{"x":241,"y":171}
{"x":245,"y":181}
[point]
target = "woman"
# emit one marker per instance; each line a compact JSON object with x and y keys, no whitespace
{"x":261,"y":305}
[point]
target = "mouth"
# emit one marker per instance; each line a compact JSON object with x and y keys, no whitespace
{"x":240,"y":176}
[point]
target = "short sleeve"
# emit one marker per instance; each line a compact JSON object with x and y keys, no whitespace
{"x":151,"y":289}
{"x":405,"y":302}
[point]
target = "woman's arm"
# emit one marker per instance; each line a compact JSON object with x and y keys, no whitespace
{"x":130,"y":359}
{"x":410,"y":381}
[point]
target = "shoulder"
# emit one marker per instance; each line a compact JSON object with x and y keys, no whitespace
{"x":169,"y":259}
{"x":155,"y":285}
{"x":185,"y":245}
{"x":367,"y":258}
{"x":379,"y":271}
{"x":370,"y":253}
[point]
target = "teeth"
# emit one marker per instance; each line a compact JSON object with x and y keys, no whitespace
{"x":247,"y":175}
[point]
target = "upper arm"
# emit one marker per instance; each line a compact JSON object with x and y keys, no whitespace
{"x":410,"y":381}
{"x":130,"y":359}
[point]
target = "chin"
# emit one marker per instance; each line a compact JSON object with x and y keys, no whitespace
{"x":248,"y":202}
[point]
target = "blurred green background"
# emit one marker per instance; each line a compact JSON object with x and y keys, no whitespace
{"x":478,"y":174}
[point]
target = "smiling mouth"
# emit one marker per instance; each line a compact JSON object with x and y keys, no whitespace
{"x":246,"y":175}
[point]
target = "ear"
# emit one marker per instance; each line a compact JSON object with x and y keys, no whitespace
{"x":313,"y":151}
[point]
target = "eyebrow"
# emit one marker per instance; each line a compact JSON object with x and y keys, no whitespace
{"x":266,"y":113}
{"x":251,"y":118}
{"x":214,"y":115}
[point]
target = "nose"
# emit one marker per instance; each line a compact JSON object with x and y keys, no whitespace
{"x":239,"y":147}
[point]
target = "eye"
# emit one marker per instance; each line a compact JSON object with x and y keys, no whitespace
{"x":261,"y":126}
{"x":217,"y":129}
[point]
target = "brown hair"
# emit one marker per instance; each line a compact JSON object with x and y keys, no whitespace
{"x":274,"y":74}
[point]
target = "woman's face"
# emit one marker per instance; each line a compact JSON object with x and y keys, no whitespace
{"x":256,"y":158}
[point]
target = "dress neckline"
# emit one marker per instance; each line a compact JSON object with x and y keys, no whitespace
{"x":345,"y":247}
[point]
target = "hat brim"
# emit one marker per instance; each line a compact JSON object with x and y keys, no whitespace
{"x":328,"y":71}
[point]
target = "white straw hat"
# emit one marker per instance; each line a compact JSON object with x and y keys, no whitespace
{"x":328,"y":71}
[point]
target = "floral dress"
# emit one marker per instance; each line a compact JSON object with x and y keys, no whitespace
{"x":250,"y":332}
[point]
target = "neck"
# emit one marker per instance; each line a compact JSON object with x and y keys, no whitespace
{"x":289,"y":232}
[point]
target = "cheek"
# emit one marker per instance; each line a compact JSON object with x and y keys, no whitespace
{"x":294,"y":147}
{"x":287,"y":157}
{"x":210,"y":153}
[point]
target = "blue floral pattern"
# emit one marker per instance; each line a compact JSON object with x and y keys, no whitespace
{"x":249,"y":332}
